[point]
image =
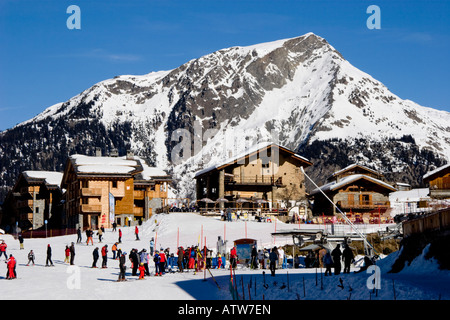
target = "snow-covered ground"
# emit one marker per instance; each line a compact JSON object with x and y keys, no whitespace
{"x":420,"y":280}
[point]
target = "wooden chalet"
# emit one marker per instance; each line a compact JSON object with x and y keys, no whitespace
{"x":438,"y":181}
{"x":35,"y":198}
{"x":358,"y":191}
{"x":101,"y":190}
{"x":267,"y":173}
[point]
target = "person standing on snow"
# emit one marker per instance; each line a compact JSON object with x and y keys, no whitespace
{"x":141,"y":271}
{"x":72,"y":253}
{"x":233,"y":257}
{"x":3,"y":247}
{"x":120,"y":236}
{"x":156,"y":260}
{"x":122,"y":266}
{"x":134,"y":258}
{"x":79,"y":235}
{"x":347,"y":257}
{"x":143,"y":255}
{"x":328,"y":263}
{"x":67,"y":254}
{"x":136,"y":232}
{"x":254,"y":258}
{"x":162,"y":262}
{"x":152,"y":246}
{"x":336,"y":254}
{"x":104,"y":256}
{"x":11,"y":265}
{"x":49,"y":256}
{"x":273,"y":258}
{"x":180,"y":259}
{"x":95,"y":257}
{"x":114,"y":250}
{"x":30,"y":257}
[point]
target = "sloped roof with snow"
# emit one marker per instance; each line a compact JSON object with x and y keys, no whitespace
{"x":50,"y":178}
{"x":432,"y":174}
{"x":332,"y":186}
{"x":104,"y":165}
{"x":248,"y":152}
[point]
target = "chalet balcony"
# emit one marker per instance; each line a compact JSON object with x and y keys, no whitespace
{"x":91,"y":192}
{"x":139,"y":194}
{"x":91,"y":208}
{"x":267,"y":180}
{"x":138,"y":211}
{"x":363,"y":205}
{"x":28,"y":204}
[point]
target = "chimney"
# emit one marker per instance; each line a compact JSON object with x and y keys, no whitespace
{"x":130,"y":155}
{"x":114,"y":153}
{"x":98,"y":152}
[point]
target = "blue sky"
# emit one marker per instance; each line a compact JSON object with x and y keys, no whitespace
{"x":42,"y":62}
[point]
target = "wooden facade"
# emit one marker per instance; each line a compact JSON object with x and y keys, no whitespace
{"x":439,"y":182}
{"x":355,"y":190}
{"x":270,"y":173}
{"x":101,"y":190}
{"x":35,"y":198}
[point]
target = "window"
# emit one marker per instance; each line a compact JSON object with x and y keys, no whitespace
{"x":114,"y":184}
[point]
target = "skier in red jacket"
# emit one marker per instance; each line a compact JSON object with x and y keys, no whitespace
{"x":162,"y":262}
{"x":141,"y":271}
{"x":11,"y":264}
{"x":233,"y":258}
{"x":3,"y":247}
{"x":136,"y":232}
{"x":104,"y":256}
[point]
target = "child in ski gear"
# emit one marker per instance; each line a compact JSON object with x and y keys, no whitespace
{"x":49,"y":256}
{"x":141,"y":271}
{"x":30,"y":257}
{"x":67,"y":254}
{"x":120,"y":236}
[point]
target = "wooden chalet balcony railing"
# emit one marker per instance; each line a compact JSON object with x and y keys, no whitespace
{"x":139,"y":194}
{"x":91,"y":208}
{"x":91,"y":192}
{"x":364,"y":205}
{"x":254,"y":180}
{"x":24,"y":204}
